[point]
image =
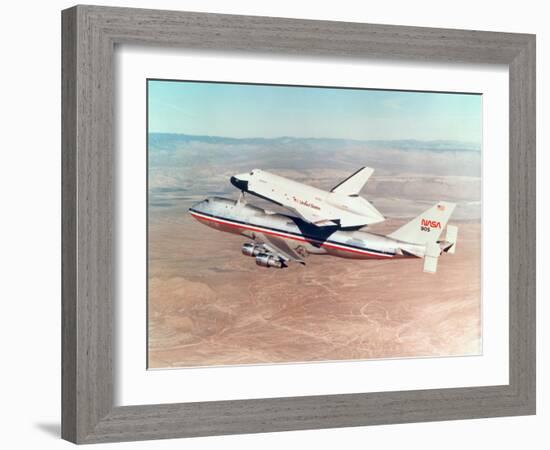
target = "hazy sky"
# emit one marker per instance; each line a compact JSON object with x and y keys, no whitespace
{"x":240,"y":110}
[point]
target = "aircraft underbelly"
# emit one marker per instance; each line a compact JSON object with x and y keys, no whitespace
{"x":313,"y":247}
{"x":349,"y":253}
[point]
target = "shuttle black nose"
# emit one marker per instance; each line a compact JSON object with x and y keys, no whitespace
{"x":239,"y":184}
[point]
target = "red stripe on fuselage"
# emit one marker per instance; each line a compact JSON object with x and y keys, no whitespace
{"x":286,"y":236}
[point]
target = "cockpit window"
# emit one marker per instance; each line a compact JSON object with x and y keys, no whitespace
{"x":252,"y":173}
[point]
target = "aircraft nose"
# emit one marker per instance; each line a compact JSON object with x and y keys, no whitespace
{"x":200,"y":206}
{"x":239,"y":184}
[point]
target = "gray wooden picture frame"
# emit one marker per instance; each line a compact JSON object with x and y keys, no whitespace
{"x":89,"y":37}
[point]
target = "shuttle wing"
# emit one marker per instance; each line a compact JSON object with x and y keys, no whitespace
{"x":318,"y":219}
{"x":331,"y":216}
{"x":343,"y":211}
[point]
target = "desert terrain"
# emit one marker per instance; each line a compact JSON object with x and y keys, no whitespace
{"x":210,"y":305}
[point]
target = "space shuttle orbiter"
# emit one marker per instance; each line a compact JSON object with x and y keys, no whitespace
{"x":342,"y":206}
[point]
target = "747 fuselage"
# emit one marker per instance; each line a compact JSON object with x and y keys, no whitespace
{"x":300,"y":236}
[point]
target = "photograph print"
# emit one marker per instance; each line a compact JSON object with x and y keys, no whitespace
{"x":291,"y":224}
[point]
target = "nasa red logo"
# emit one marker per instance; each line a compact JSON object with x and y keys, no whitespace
{"x":431,"y":223}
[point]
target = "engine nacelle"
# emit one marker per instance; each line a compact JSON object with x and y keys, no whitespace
{"x":249,"y":249}
{"x":267,"y":260}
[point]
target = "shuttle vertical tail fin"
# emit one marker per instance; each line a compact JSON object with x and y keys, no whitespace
{"x":353,"y":184}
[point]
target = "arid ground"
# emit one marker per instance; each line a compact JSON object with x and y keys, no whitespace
{"x":210,"y":305}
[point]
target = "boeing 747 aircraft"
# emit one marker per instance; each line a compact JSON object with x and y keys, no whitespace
{"x":277,"y":240}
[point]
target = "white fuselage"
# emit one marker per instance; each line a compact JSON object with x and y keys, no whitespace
{"x":246,"y":220}
{"x":313,"y":204}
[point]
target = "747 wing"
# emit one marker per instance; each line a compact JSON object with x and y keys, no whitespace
{"x":278,"y":247}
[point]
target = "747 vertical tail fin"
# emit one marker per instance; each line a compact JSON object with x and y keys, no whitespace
{"x":427,"y":227}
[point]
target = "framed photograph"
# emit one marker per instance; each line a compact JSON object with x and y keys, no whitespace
{"x":279,"y":224}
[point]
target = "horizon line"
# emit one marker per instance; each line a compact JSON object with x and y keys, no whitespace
{"x":313,"y":138}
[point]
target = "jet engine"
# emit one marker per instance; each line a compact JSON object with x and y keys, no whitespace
{"x":267,"y":260}
{"x":250,"y":249}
